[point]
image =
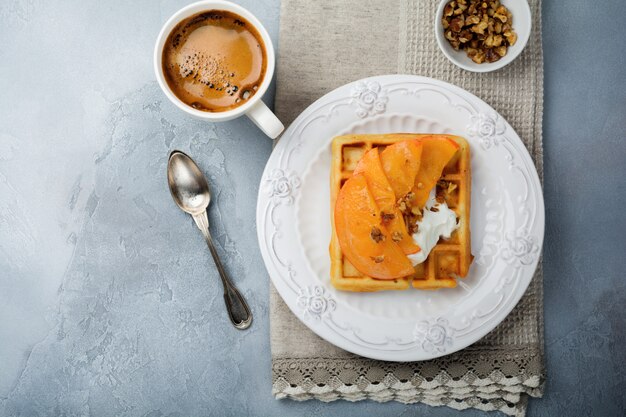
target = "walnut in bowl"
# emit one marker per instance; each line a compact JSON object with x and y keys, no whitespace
{"x":482,"y":35}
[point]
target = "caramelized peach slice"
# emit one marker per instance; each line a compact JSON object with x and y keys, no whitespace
{"x":437,"y":151}
{"x":366,"y":244}
{"x":401,"y":162}
{"x":371,"y":167}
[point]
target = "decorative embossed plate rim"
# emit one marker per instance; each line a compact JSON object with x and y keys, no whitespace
{"x":507,"y":220}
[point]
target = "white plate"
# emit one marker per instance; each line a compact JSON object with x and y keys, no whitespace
{"x":507,"y":221}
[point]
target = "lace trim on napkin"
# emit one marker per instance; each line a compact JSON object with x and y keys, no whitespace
{"x":492,"y":382}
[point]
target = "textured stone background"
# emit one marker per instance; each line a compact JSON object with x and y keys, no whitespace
{"x":109,"y":303}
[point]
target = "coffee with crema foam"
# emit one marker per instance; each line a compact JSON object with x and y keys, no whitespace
{"x":214,"y":61}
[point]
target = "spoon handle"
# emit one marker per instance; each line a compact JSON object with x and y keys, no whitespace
{"x":237,"y":307}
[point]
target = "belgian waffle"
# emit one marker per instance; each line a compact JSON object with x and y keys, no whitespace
{"x":449,"y":259}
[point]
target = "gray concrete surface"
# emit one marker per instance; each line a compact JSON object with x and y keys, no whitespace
{"x":109,"y":304}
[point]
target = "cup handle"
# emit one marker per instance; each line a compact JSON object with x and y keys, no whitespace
{"x":267,"y":121}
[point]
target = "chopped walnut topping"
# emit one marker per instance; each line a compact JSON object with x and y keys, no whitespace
{"x":511,"y":37}
{"x":410,"y":212}
{"x":405,"y":203}
{"x":444,"y":190}
{"x":386,"y":218}
{"x":411,"y":218}
{"x":481,"y":28}
{"x":378,"y":259}
{"x":416,"y":214}
{"x":376,"y":235}
{"x":396,"y":236}
{"x":457,"y":24}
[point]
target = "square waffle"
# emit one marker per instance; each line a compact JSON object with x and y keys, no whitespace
{"x":448,"y":260}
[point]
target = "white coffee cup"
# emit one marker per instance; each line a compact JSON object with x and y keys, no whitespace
{"x":254,"y":107}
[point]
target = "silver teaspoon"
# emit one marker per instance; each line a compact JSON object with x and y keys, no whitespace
{"x":190,"y":191}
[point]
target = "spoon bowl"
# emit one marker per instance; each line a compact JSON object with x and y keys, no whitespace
{"x":189,"y":187}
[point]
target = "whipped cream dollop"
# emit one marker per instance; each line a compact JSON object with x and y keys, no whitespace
{"x":432,"y":226}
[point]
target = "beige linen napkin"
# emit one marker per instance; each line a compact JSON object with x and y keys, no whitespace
{"x":324,"y":44}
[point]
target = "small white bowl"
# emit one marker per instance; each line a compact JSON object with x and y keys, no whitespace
{"x":522,"y":25}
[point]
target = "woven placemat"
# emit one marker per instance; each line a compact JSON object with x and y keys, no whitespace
{"x":325,"y":44}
